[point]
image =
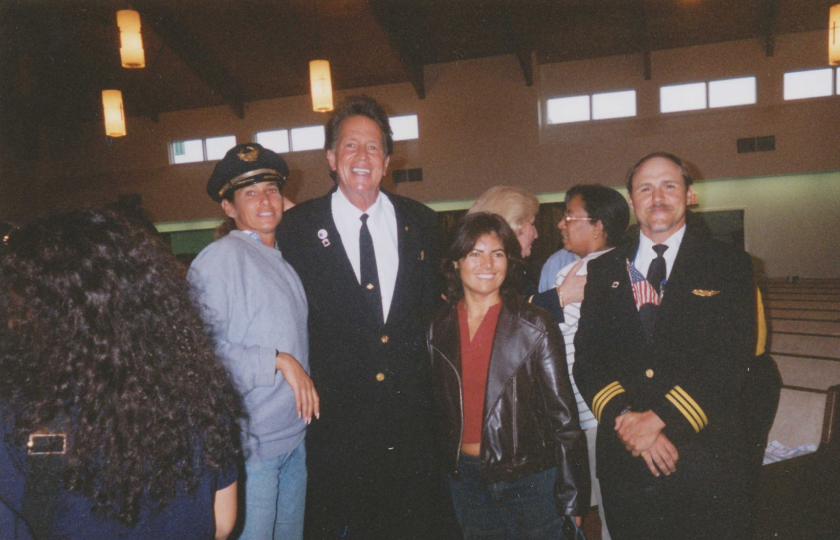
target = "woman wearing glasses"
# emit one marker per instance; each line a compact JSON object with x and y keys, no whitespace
{"x":510,"y":438}
{"x":595,"y":221}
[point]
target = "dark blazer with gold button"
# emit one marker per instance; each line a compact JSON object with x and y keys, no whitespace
{"x":373,"y":380}
{"x":691,"y":371}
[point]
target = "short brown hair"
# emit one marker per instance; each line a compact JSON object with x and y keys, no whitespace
{"x":670,"y":157}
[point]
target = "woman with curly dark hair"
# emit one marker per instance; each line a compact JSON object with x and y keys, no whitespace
{"x":101,"y":341}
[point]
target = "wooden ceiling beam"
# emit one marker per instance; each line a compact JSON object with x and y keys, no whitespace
{"x":167,"y":26}
{"x":640,"y":18}
{"x":516,"y":40}
{"x":403,"y":26}
{"x":767,"y":11}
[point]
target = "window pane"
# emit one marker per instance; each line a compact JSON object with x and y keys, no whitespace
{"x":568,"y":109}
{"x":808,"y":84}
{"x":308,"y":138}
{"x":404,"y":127}
{"x":274,"y":140}
{"x":217,"y":147}
{"x":729,"y":92}
{"x":682,"y":97}
{"x":187,"y":151}
{"x":614,"y":105}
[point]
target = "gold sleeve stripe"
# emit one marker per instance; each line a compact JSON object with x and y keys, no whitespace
{"x":695,"y":406}
{"x":687,"y":407}
{"x":604,"y":396}
{"x":685,"y":413}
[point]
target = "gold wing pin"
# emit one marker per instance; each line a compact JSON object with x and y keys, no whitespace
{"x":422,"y":255}
{"x":704,"y":292}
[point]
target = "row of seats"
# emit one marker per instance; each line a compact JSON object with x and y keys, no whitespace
{"x":799,"y":498}
{"x":804,"y":339}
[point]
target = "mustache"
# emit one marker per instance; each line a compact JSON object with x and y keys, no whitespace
{"x":660,"y":207}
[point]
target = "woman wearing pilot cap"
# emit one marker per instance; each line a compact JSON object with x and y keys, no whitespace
{"x":256,"y":306}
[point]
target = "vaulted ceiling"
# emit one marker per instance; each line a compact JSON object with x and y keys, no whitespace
{"x":57,"y":55}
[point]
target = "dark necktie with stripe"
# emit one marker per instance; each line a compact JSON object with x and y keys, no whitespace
{"x":655,"y":276}
{"x":367,"y":269}
{"x":657,"y":270}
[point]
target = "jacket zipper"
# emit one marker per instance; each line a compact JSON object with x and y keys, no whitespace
{"x":461,"y":401}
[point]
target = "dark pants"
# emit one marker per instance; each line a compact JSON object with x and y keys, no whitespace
{"x":522,"y":508}
{"x":703,"y":499}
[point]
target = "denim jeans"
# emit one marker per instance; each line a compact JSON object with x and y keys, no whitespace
{"x":275,"y":496}
{"x":520,"y":508}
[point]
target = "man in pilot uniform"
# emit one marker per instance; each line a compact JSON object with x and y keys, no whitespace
{"x":666,"y":331}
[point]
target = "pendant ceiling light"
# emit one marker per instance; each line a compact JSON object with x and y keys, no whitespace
{"x":131,"y":41}
{"x":319,"y":76}
{"x":112,"y":106}
{"x":834,"y":35}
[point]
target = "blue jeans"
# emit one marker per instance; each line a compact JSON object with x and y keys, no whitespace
{"x":275,"y":497}
{"x":519,"y":508}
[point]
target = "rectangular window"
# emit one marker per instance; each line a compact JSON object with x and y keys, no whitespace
{"x":730,"y":92}
{"x":614,"y":105}
{"x":568,"y":109}
{"x":277,"y":140}
{"x":404,"y":127}
{"x":187,"y":151}
{"x":682,"y":97}
{"x":217,"y":147}
{"x":808,"y":84}
{"x":308,"y":138}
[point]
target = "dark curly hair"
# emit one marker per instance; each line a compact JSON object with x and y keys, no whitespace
{"x":469,"y":229}
{"x":100,"y":326}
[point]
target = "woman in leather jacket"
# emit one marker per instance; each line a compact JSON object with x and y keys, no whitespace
{"x":509,"y":432}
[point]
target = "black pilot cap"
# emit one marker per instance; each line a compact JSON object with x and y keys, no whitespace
{"x":243,"y":165}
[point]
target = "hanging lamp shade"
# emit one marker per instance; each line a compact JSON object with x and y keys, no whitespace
{"x":319,"y":76}
{"x":112,"y":106}
{"x":131,"y":41}
{"x":834,"y":35}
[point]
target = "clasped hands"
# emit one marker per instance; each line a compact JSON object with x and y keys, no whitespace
{"x":641,"y":433}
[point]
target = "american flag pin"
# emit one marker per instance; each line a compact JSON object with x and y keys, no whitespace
{"x":615,"y":285}
{"x":325,"y":242}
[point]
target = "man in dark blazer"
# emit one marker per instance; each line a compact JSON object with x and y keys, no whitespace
{"x":666,"y":332}
{"x":370,"y":455}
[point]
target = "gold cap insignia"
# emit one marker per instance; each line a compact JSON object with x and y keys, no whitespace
{"x":249,"y":153}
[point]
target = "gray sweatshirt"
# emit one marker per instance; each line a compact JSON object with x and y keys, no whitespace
{"x":255,"y":304}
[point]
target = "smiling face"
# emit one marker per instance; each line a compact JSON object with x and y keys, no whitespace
{"x":659,"y":198}
{"x":483,"y":269}
{"x":526,"y":235}
{"x":257,"y":208}
{"x":359,"y":160}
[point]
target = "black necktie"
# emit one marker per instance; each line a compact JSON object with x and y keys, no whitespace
{"x":367,"y":269}
{"x":657,"y":270}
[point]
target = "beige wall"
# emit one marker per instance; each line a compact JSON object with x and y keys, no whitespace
{"x":481,"y":126}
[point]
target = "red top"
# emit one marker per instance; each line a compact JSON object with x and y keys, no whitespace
{"x":475,"y":360}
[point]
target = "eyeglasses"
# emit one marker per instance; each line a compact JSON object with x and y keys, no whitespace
{"x":567,"y":218}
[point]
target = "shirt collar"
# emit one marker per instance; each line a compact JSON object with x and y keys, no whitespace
{"x":673,"y":242}
{"x":348,"y":212}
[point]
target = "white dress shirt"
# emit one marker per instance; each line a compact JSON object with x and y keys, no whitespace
{"x":645,"y":254}
{"x":382,"y":224}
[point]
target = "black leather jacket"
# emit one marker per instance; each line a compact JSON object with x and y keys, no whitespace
{"x":530,"y":415}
